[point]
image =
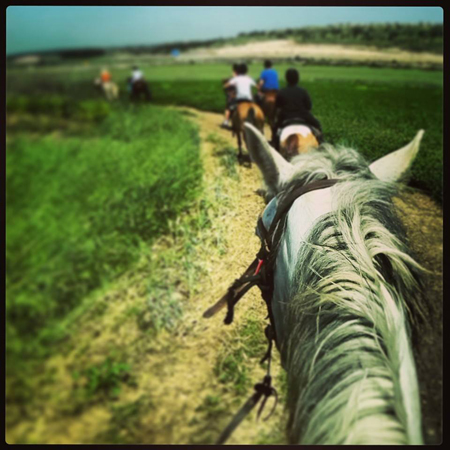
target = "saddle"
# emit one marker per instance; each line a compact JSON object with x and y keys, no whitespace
{"x":234,"y":106}
{"x":300,"y":121}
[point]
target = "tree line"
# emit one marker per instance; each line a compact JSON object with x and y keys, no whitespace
{"x":415,"y":37}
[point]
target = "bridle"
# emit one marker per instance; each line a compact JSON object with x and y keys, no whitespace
{"x":261,"y":273}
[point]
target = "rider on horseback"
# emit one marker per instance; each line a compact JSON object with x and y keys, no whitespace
{"x":105,"y":75}
{"x":293,"y":106}
{"x":138,"y":85}
{"x":230,"y":93}
{"x":136,"y":74}
{"x":268,"y":81}
{"x":243,"y":84}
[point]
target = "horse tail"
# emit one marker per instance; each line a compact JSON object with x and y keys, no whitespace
{"x":251,"y":116}
{"x":255,"y":116}
{"x":351,"y":373}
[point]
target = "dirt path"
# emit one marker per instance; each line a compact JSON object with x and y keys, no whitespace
{"x":177,"y":394}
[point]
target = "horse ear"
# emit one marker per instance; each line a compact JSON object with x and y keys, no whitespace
{"x":395,"y":166}
{"x":274,"y":168}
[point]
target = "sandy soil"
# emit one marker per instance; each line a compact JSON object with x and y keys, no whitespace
{"x":174,"y":373}
{"x":283,"y":48}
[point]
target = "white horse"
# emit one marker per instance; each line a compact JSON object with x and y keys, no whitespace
{"x":109,"y":89}
{"x":346,"y":294}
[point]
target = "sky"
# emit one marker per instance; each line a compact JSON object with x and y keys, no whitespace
{"x":36,"y":28}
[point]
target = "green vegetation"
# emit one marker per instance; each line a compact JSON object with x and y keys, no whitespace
{"x":226,"y":156}
{"x":231,"y":368}
{"x":416,"y":37}
{"x":59,"y":106}
{"x":81,"y":209}
{"x":125,"y":423}
{"x":104,"y":379}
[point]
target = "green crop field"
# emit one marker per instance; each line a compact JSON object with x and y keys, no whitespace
{"x":80,"y":207}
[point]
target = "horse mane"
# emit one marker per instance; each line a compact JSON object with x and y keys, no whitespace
{"x":351,"y":372}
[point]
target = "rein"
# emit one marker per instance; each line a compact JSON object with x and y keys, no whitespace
{"x":261,"y":273}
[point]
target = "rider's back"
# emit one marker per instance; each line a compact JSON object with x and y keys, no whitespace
{"x":270,"y":78}
{"x":294,"y":102}
{"x":136,"y":75}
{"x":243,"y":84}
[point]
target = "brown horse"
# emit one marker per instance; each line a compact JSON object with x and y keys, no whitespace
{"x":240,"y":115}
{"x":268,"y":106}
{"x":295,"y":140}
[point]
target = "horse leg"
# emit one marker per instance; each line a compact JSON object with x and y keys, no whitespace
{"x":239,"y":141}
{"x":247,"y":156}
{"x":148,"y":95}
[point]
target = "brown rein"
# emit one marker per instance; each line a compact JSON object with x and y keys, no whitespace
{"x":261,"y":273}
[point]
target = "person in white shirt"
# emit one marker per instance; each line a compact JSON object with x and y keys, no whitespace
{"x":138,"y":86}
{"x":243,"y":85}
{"x":136,"y":74}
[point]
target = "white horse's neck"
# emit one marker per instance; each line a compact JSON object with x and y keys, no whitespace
{"x":304,"y":213}
{"x":296,"y":266}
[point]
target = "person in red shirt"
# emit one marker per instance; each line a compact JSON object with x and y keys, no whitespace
{"x":105,"y":76}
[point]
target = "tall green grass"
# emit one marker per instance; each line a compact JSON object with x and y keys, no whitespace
{"x":78,"y":211}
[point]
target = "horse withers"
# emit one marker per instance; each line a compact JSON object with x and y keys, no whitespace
{"x":245,"y":111}
{"x":346,"y":294}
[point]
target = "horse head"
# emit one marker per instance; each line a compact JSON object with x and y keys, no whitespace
{"x":346,"y":292}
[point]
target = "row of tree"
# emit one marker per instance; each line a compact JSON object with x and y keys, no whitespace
{"x":416,"y":37}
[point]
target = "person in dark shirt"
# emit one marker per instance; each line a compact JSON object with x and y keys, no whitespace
{"x":293,"y":106}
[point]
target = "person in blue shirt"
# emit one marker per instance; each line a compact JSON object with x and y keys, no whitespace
{"x":268,"y":81}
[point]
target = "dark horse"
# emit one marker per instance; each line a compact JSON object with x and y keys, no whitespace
{"x":138,"y":89}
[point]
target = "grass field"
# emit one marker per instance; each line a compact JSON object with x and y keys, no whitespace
{"x":81,"y":208}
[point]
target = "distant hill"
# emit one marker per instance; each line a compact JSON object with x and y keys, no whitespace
{"x":413,"y":37}
{"x":421,"y":37}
